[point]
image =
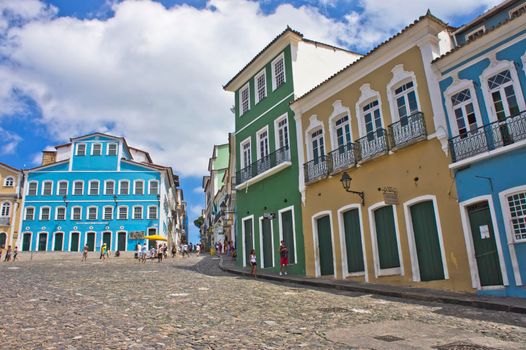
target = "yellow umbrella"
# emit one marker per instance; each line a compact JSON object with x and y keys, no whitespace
{"x":155,"y":238}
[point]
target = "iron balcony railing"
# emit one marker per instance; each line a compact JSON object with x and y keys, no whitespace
{"x":488,"y":137}
{"x":317,"y":169}
{"x":343,"y":157}
{"x":4,"y":222}
{"x":261,"y":165}
{"x":407,"y":130}
{"x":372,"y":145}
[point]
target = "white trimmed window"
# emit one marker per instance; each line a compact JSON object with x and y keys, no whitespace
{"x":62,"y":189}
{"x":94,"y":187}
{"x":465,"y":117}
{"x":124,"y":187}
{"x":109,"y":187}
{"x":108,"y":213}
{"x":152,"y":212}
{"x":137,"y":212}
{"x":343,"y":131}
{"x":123,"y":213}
{"x":263,"y":147}
{"x":47,"y":188}
{"x":517,"y":11}
{"x":92,"y":213}
{"x":246,"y":158}
{"x":60,"y":213}
{"x":503,"y":95}
{"x":30,"y":214}
{"x":32,"y":188}
{"x":153,"y":187}
{"x":76,"y":213}
{"x":261,"y":85}
{"x":81,"y":149}
{"x":9,"y":181}
{"x":278,"y":72}
{"x":517,"y":205}
{"x":112,"y":149}
{"x":45,"y":213}
{"x":96,"y":149}
{"x":78,"y":188}
{"x":138,"y":187}
{"x":244,"y":99}
{"x":372,"y":118}
{"x":5,"y":210}
{"x":318,"y":145}
{"x":406,"y":101}
{"x":283,"y":133}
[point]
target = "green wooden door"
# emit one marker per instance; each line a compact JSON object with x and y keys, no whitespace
{"x":90,"y":241}
{"x":3,"y":239}
{"x":106,"y":238}
{"x":287,"y":229}
{"x":59,"y":239}
{"x":325,"y":245}
{"x":74,"y":242}
{"x":26,"y":243}
{"x":353,"y":241}
{"x":266,"y":233}
{"x":485,"y":246}
{"x":426,"y":241}
{"x":386,"y":238}
{"x":248,"y":240}
{"x":121,"y":241}
{"x":42,"y":242}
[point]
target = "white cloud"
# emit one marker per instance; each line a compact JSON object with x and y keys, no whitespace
{"x":195,"y":211}
{"x":8,"y":142}
{"x":198,"y":190}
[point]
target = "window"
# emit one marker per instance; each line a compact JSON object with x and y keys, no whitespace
{"x":76,"y":213}
{"x":5,"y":210}
{"x":96,"y":149}
{"x":343,"y":131}
{"x":108,"y":213}
{"x":124,"y":187}
{"x":477,"y":33}
{"x":60,"y":213}
{"x":517,"y":204}
{"x":112,"y":149}
{"x":32,"y":188}
{"x":94,"y":187}
{"x":261,"y":86}
{"x":283,"y":133}
{"x":244,"y":97}
{"x":139,"y":187}
{"x":45,"y":213}
{"x":154,"y":187}
{"x":92,"y":213}
{"x":62,"y":188}
{"x":81,"y":149}
{"x":263,"y":149}
{"x":47,"y":188}
{"x":109,"y":187}
{"x":278,"y":72}
{"x":503,"y":95}
{"x":152,"y":212}
{"x":137,"y":212}
{"x":30,"y":214}
{"x":405,"y":98}
{"x":123,"y":213}
{"x":78,"y":188}
{"x":9,"y":181}
{"x":318,"y":147}
{"x":464,"y":112}
{"x":517,"y":11}
{"x":246,"y":157}
{"x":372,"y":118}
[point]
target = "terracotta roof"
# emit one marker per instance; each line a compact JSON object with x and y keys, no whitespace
{"x":421,"y":18}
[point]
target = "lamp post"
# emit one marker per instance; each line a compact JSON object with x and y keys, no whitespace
{"x":115,"y":198}
{"x":65,"y":199}
{"x":346,"y":183}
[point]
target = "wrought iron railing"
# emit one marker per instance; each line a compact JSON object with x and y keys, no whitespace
{"x":4,"y":222}
{"x":261,"y":165}
{"x":488,"y":137}
{"x":372,"y":145}
{"x":407,"y":130}
{"x":343,"y":157}
{"x":317,"y":169}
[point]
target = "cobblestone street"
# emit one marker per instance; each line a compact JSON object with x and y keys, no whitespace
{"x":190,"y":303}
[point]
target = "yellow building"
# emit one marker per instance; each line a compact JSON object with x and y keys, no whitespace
{"x":10,"y":190}
{"x":381,"y":123}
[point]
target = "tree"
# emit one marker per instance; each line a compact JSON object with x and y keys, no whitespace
{"x":199,"y":222}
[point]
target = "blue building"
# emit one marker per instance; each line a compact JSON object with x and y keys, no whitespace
{"x":483,"y":84}
{"x":94,"y":190}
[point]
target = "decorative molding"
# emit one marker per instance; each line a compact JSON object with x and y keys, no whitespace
{"x":400,"y":76}
{"x":338,"y":111}
{"x":366,"y":95}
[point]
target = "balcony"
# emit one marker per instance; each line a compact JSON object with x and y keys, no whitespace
{"x":317,"y":169}
{"x":343,"y":157}
{"x":263,"y":168}
{"x":372,"y":145}
{"x":489,"y":137}
{"x":4,"y":222}
{"x":407,"y":130}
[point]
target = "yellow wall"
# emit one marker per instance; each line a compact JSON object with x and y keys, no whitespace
{"x":9,"y":194}
{"x":424,"y":160}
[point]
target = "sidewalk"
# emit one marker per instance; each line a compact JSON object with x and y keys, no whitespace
{"x":517,"y":305}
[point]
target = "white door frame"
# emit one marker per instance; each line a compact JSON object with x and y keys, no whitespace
{"x":343,"y":244}
{"x":53,"y":240}
{"x":315,"y":240}
{"x":261,"y":242}
{"x":38,"y":240}
{"x":117,"y":240}
{"x":246,"y":218}
{"x":30,"y":240}
{"x":70,"y":240}
{"x":280,"y":212}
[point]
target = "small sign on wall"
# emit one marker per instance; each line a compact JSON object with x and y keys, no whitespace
{"x":390,"y":195}
{"x":484,"y":231}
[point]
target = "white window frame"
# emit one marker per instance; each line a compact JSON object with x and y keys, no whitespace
{"x":338,"y":111}
{"x":29,"y":187}
{"x":72,"y":216}
{"x":40,"y":213}
{"x":58,"y":187}
{"x":320,"y":137}
{"x":471,"y":32}
{"x":280,"y":220}
{"x":65,"y":213}
{"x":256,"y":78}
{"x":242,"y":144}
{"x":273,"y":66}
{"x":133,"y":212}
{"x":119,"y":212}
{"x":120,"y":189}
{"x":314,"y":124}
{"x":104,"y":212}
{"x":25,"y":213}
{"x":456,"y":87}
{"x":258,"y":138}
{"x":367,"y":96}
{"x":10,"y":179}
{"x":88,"y":212}
{"x":82,"y":187}
{"x":8,"y":206}
{"x":400,"y":77}
{"x":241,"y":110}
{"x":246,"y":218}
{"x":108,"y":149}
{"x":106,"y":187}
{"x":156,"y":212}
{"x":150,"y":189}
{"x":90,"y":187}
{"x":93,"y":148}
{"x":85,"y":149}
{"x":135,"y":182}
{"x":277,"y":129}
{"x":44,"y":187}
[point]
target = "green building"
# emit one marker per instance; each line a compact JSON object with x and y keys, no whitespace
{"x":268,"y":207}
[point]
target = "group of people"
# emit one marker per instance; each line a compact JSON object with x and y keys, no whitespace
{"x":225,"y":247}
{"x":283,"y":260}
{"x":9,"y":253}
{"x":159,"y":252}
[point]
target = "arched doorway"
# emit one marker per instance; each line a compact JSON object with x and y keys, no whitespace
{"x":324,"y":238}
{"x":26,"y":241}
{"x":42,"y":242}
{"x":121,"y":241}
{"x":74,"y":240}
{"x":3,"y":239}
{"x":59,"y":242}
{"x":151,"y":232}
{"x":106,"y":238}
{"x":90,"y":241}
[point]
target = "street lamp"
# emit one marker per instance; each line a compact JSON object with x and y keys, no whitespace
{"x":65,"y":199}
{"x":346,"y":183}
{"x":115,"y":198}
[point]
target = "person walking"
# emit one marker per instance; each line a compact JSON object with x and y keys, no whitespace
{"x":139,"y":251}
{"x":253,"y":262}
{"x":159,"y":253}
{"x":85,"y":253}
{"x":143,"y":253}
{"x":198,"y":249}
{"x":8,"y":254}
{"x":103,"y":252}
{"x":15,"y":253}
{"x":283,"y":258}
{"x":174,"y":251}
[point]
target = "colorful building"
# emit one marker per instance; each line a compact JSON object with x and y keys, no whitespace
{"x":94,"y":190}
{"x":377,"y":130}
{"x":268,"y":204}
{"x":10,"y":200}
{"x":483,"y":84}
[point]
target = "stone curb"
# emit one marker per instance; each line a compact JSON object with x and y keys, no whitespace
{"x":473,"y":301}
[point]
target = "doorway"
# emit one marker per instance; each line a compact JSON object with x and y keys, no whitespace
{"x":42,"y":241}
{"x":90,"y":241}
{"x":59,"y":241}
{"x":323,"y":226}
{"x":121,"y":241}
{"x":74,"y":244}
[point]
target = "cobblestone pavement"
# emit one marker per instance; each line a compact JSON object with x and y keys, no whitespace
{"x":189,"y":303}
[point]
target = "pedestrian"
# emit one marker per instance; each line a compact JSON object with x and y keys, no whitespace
{"x":174,"y":251}
{"x":185,"y":250}
{"x":103,"y":252}
{"x":107,"y":253}
{"x":139,"y":251}
{"x":165,"y":251}
{"x":144,"y":253}
{"x":85,"y":253}
{"x":220,"y":248}
{"x":198,"y":249}
{"x":15,"y":253}
{"x":283,"y":259}
{"x":8,"y":254}
{"x":159,"y":253}
{"x":253,"y":262}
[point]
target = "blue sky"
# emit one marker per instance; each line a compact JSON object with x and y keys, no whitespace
{"x":151,"y":73}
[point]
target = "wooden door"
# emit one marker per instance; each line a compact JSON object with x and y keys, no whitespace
{"x":325,"y":245}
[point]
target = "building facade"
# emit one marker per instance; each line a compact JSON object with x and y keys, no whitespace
{"x":483,"y":84}
{"x":10,"y":200}
{"x":94,"y":190}
{"x":378,"y":122}
{"x":268,"y":205}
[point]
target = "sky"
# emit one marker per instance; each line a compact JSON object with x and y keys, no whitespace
{"x":153,"y":70}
